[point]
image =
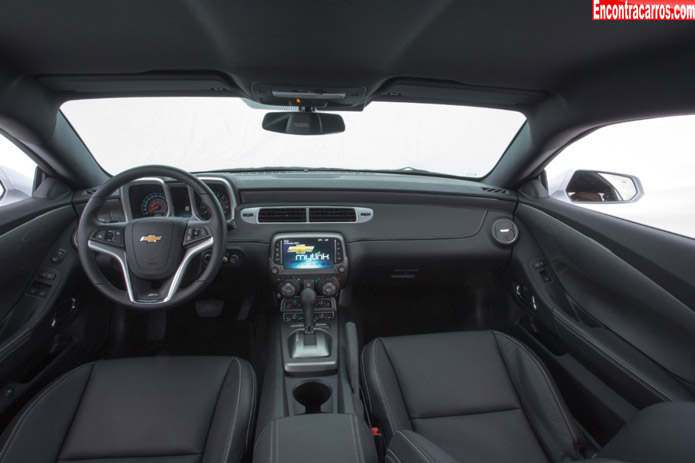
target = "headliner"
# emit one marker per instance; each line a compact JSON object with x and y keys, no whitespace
{"x":536,"y":45}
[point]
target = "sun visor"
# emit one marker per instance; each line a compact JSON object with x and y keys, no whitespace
{"x":141,"y":83}
{"x":427,"y":91}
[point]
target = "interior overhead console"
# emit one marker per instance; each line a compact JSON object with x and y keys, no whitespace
{"x":308,"y":96}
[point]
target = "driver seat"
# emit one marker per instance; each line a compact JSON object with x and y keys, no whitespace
{"x":145,"y":410}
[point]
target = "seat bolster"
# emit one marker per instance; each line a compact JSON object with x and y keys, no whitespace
{"x":37,"y":434}
{"x":545,"y":409}
{"x":232,"y":422}
{"x":384,"y":395}
{"x":662,"y":432}
{"x":411,"y":447}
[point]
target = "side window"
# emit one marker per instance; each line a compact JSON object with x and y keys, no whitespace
{"x":17,"y":172}
{"x":641,"y":171}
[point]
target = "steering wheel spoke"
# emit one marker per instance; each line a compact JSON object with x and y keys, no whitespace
{"x":161,"y":291}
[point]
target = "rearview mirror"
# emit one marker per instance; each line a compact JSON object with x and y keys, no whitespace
{"x":588,"y":186}
{"x":303,"y":123}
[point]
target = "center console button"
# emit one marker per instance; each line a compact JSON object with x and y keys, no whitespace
{"x":288,"y":288}
{"x":329,"y":287}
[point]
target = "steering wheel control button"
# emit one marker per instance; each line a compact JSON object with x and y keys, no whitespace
{"x":505,"y":232}
{"x":194,"y":234}
{"x":112,"y":236}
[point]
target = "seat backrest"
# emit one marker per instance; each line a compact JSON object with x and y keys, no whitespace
{"x":479,"y":395}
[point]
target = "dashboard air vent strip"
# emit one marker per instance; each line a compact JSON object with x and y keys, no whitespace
{"x":282,"y":215}
{"x":332,"y":214}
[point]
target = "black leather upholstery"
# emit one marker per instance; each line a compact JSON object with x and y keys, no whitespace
{"x":660,"y":433}
{"x":325,"y":437}
{"x":480,"y":396}
{"x":152,"y":410}
{"x":411,"y":447}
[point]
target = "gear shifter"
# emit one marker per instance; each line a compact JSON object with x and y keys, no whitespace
{"x":309,"y":343}
{"x":308,"y":299}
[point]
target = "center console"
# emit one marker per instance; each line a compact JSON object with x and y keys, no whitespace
{"x":308,"y":271}
{"x":310,"y":407}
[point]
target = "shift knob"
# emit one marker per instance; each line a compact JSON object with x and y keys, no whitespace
{"x":308,"y":300}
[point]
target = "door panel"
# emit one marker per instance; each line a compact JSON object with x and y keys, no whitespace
{"x":23,"y":247}
{"x":32,"y":232}
{"x":600,"y":302}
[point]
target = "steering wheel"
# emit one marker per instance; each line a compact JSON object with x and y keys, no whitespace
{"x":154,"y":253}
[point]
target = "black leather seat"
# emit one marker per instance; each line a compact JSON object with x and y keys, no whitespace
{"x":479,"y":396}
{"x":149,"y":410}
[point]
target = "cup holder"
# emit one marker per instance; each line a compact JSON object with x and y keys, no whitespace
{"x":312,"y":395}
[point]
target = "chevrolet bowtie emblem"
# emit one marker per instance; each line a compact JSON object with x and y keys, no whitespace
{"x":150,"y":238}
{"x":301,"y":248}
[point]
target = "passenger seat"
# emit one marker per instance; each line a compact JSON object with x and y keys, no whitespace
{"x":481,"y":396}
{"x":484,"y":397}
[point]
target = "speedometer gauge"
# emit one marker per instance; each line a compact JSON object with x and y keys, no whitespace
{"x":224,"y":202}
{"x":154,"y":205}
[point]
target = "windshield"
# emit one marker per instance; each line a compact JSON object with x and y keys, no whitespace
{"x":205,"y":134}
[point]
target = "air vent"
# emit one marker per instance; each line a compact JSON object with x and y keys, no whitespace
{"x":332,"y":214}
{"x":495,"y":190}
{"x":306,"y":215}
{"x":282,"y":215}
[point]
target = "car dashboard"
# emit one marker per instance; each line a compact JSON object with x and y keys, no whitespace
{"x":397,"y":228}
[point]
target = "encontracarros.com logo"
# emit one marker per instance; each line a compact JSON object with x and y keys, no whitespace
{"x":641,"y":10}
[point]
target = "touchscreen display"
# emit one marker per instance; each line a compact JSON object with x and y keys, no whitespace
{"x":308,"y":253}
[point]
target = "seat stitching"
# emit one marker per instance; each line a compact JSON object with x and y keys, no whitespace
{"x":364,"y":376}
{"x":253,"y":407}
{"x":277,"y":439}
{"x":272,"y":426}
{"x":236,"y":409}
{"x":145,"y":457}
{"x":84,"y":391}
{"x":6,"y":447}
{"x":392,"y":455}
{"x":455,"y":415}
{"x":354,"y":442}
{"x":217,"y":401}
{"x":359,"y":439}
{"x":651,"y":388}
{"x":417,"y":448}
{"x":558,"y":403}
{"x":380,"y":387}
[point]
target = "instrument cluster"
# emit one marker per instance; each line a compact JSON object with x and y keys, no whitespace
{"x":157,"y":198}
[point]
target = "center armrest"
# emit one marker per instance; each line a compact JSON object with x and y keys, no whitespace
{"x":338,"y":438}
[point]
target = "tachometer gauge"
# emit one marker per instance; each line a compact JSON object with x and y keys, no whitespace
{"x":224,"y":202}
{"x":154,"y":205}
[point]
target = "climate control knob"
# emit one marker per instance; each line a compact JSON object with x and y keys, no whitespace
{"x":288,"y":288}
{"x":329,"y":287}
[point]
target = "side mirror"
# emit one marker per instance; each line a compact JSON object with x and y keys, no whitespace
{"x":589,"y":186}
{"x":13,"y":186}
{"x":303,"y":123}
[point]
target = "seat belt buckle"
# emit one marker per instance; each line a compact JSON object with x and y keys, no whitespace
{"x":380,"y":443}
